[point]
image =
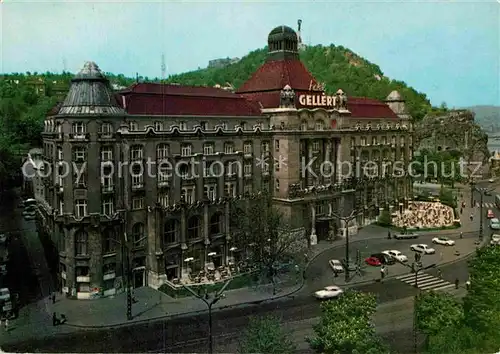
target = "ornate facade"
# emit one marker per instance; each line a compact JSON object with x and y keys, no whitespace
{"x":156,"y":171}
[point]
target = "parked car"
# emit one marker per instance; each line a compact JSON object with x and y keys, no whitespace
{"x":495,"y":224}
{"x":406,"y":236}
{"x":443,"y":241}
{"x":495,"y":240}
{"x":396,"y":255}
{"x":3,"y":238}
{"x":422,"y":248}
{"x":336,"y":265}
{"x":491,"y":180}
{"x":373,"y":261}
{"x":490,"y":214}
{"x":384,"y":258}
{"x":4,"y":294}
{"x":329,"y":292}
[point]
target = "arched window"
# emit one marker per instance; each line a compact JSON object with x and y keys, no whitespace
{"x":303,"y":125}
{"x":170,"y":232}
{"x":216,"y":224}
{"x":319,"y":125}
{"x":138,"y":234}
{"x":81,"y":243}
{"x":109,"y":237}
{"x":193,"y":229}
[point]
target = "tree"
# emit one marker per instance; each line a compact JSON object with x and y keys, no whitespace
{"x":345,"y":325}
{"x":446,"y":197}
{"x":266,"y":335}
{"x":266,"y":236}
{"x":385,"y":218}
{"x":436,"y":311}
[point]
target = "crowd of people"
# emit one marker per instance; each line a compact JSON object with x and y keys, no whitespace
{"x":424,"y":215}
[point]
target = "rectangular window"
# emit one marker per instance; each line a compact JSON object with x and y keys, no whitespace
{"x":107,"y":183}
{"x":204,"y":125}
{"x":277,"y":145}
{"x":163,"y":199}
{"x":108,"y":206}
{"x":80,"y":208}
{"x":162,"y":151}
{"x":79,"y":154}
{"x":106,"y":129}
{"x":137,"y":180}
{"x":188,"y":194}
{"x":265,"y":147}
{"x":228,"y":148}
{"x":211,"y":191}
{"x":136,"y":153}
{"x":182,"y":126}
{"x":79,"y":128}
{"x":163,"y":173}
{"x":247,"y":169}
{"x":107,"y":154}
{"x":208,"y":149}
{"x":133,"y":126}
{"x":80,"y":180}
{"x":277,"y":184}
{"x":158,"y":126}
{"x":224,"y":125}
{"x":186,"y":150}
{"x":316,"y":146}
{"x":137,"y":202}
{"x":276,"y":165}
{"x":247,"y":148}
{"x":247,"y":188}
{"x":60,"y":154}
{"x":230,"y":189}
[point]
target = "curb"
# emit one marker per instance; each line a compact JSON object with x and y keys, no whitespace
{"x":290,"y":294}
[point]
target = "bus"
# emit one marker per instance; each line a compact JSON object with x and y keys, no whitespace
{"x":497,"y":201}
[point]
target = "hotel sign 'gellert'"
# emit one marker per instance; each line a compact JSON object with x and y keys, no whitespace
{"x":318,"y":98}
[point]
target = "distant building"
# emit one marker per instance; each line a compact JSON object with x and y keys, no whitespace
{"x":32,"y":183}
{"x":222,"y":63}
{"x":38,"y":84}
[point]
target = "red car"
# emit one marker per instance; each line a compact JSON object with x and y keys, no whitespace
{"x":373,"y":261}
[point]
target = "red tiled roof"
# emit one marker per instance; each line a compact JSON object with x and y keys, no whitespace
{"x":362,"y":107}
{"x":181,"y":90}
{"x":276,"y":74}
{"x":190,"y":105}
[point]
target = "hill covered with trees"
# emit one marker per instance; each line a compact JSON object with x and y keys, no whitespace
{"x":336,"y":66}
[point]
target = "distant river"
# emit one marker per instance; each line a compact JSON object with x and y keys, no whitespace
{"x":494,"y":144}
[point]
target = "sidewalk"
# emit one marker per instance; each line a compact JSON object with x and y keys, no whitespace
{"x":35,"y":320}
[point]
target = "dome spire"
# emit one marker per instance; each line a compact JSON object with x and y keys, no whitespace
{"x":283,"y":44}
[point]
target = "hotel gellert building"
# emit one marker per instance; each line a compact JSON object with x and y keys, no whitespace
{"x":282,"y":114}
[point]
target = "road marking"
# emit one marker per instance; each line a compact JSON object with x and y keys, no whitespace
{"x":425,"y":281}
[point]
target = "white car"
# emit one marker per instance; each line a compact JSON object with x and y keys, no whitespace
{"x":443,"y":241}
{"x":422,"y":248}
{"x":495,"y":240}
{"x":336,"y":265}
{"x":491,"y":180}
{"x":396,"y":255}
{"x":4,"y":294}
{"x":330,"y":292}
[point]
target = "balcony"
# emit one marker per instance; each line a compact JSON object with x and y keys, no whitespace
{"x":83,"y":279}
{"x":163,"y":184}
{"x":107,"y":189}
{"x":137,"y":186}
{"x":79,"y":136}
{"x":109,"y":276}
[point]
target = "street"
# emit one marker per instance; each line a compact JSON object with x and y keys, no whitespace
{"x":189,"y":334}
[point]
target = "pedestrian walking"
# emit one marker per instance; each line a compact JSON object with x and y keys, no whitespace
{"x":441,"y":255}
{"x":6,"y":325}
{"x":389,"y":235}
{"x":461,"y":234}
{"x":471,"y":217}
{"x":440,"y":274}
{"x":53,"y":297}
{"x":457,"y":283}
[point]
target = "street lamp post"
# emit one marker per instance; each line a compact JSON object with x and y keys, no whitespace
{"x":481,"y":192}
{"x":126,"y":248}
{"x":415,"y":341}
{"x":209,"y":301}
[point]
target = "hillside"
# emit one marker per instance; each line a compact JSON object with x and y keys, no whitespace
{"x":488,"y":117}
{"x":336,"y":66}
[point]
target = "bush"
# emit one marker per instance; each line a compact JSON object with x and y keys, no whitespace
{"x":385,"y":218}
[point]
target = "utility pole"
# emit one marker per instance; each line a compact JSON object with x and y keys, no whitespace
{"x":481,"y":192}
{"x":209,"y":300}
{"x":347,"y":219}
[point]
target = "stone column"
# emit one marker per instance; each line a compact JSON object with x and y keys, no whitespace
{"x":125,"y":177}
{"x":205,"y":232}
{"x":313,"y":237}
{"x":184,"y":247}
{"x":328,"y":147}
{"x":338,"y":160}
{"x":309,"y":180}
{"x":227,"y":230}
{"x":330,"y":209}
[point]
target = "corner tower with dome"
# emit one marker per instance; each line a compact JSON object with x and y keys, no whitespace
{"x":180,"y":224}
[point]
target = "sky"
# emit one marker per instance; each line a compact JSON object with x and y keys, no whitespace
{"x":449,"y":50}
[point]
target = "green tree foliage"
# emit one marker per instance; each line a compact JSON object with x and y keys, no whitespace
{"x":385,"y":218}
{"x":443,"y":166}
{"x":437,"y":311}
{"x":477,"y":332}
{"x":446,"y":197}
{"x":266,"y":235}
{"x":345,"y":326}
{"x":266,"y":335}
{"x":336,"y":66}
